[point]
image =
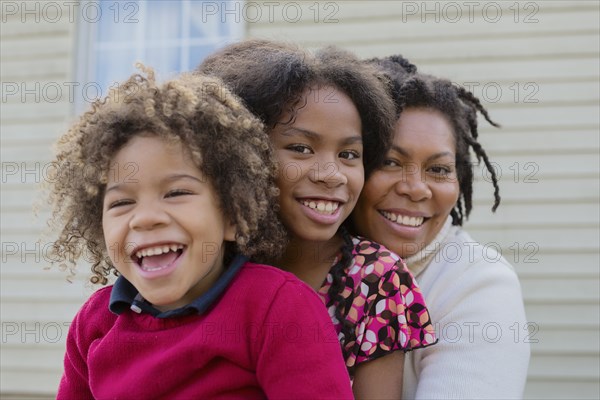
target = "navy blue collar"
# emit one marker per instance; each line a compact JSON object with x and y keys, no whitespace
{"x":125,"y":296}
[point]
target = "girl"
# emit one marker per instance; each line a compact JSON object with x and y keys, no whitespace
{"x":177,"y":193}
{"x":416,"y":204}
{"x":329,"y":120}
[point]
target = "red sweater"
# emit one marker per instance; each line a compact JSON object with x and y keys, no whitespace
{"x":268,"y":336}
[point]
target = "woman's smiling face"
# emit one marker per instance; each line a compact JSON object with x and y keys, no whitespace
{"x":405,"y":203}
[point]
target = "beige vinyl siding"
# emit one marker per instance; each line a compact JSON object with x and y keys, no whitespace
{"x":548,"y":52}
{"x":537,"y":74}
{"x":36,"y":305}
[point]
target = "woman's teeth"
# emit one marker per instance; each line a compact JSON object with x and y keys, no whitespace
{"x":403,"y":220}
{"x":323,"y":207}
{"x":157,"y":250}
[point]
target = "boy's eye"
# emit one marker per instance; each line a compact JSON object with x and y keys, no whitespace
{"x":119,"y":203}
{"x":350,"y":154}
{"x":299,"y":148}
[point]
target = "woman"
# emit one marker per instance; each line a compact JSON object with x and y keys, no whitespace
{"x":415,"y":204}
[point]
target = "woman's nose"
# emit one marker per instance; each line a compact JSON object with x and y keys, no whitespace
{"x":412,"y":184}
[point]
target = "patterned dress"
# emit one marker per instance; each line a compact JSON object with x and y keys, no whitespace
{"x":384,"y":306}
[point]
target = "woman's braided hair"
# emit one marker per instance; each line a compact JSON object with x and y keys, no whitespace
{"x":411,"y":89}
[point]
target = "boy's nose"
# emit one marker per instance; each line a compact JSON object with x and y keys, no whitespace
{"x":148,"y":216}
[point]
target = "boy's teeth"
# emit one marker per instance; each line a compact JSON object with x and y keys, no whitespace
{"x":157,"y":250}
{"x":403,"y":219}
{"x":323,"y":207}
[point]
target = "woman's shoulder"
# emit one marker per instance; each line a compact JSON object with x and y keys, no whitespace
{"x":462,"y":250}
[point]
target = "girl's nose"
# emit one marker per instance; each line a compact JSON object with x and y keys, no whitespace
{"x":329,"y":173}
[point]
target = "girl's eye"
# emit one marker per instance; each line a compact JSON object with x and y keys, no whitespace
{"x":300,"y":148}
{"x":350,"y":154}
{"x":177,"y":192}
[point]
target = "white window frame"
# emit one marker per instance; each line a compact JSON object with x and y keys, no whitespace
{"x":87,"y":87}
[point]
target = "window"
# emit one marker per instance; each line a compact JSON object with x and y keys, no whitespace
{"x":170,"y":36}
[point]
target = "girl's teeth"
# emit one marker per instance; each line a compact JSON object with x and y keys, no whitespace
{"x":324,"y":207}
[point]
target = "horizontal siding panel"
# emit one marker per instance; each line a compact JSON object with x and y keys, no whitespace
{"x":398,"y":21}
{"x":52,"y":18}
{"x":20,"y":335}
{"x":17,"y":70}
{"x":17,"y":384}
{"x":39,"y":290}
{"x":42,"y":312}
{"x":514,"y":70}
{"x":34,"y":48}
{"x":570,"y":239}
{"x":564,"y":317}
{"x":47,"y":357}
{"x":532,"y":264}
{"x":520,"y":215}
{"x":500,"y":141}
{"x":546,"y":340}
{"x":561,"y":388}
{"x":562,"y":366}
{"x":564,"y":190}
{"x":35,"y":131}
{"x":39,"y":108}
{"x":350,"y":10}
{"x":526,"y":169}
{"x":560,"y":290}
{"x":571,"y":115}
{"x":477,"y":48}
{"x":531,"y":93}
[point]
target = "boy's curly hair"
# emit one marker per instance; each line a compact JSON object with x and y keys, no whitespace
{"x":411,"y":89}
{"x":271,"y":78}
{"x":225,"y":141}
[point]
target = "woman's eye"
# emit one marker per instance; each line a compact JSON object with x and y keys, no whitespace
{"x":300,"y":148}
{"x":391,"y":163}
{"x":350,"y":155}
{"x":440,"y":170}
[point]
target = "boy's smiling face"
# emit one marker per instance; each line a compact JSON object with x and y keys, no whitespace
{"x":163,"y":227}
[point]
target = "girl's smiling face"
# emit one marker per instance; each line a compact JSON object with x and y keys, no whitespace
{"x":163,"y":227}
{"x":321,"y":167}
{"x":405,"y":203}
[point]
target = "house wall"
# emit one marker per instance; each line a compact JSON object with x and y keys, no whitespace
{"x":535,"y":67}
